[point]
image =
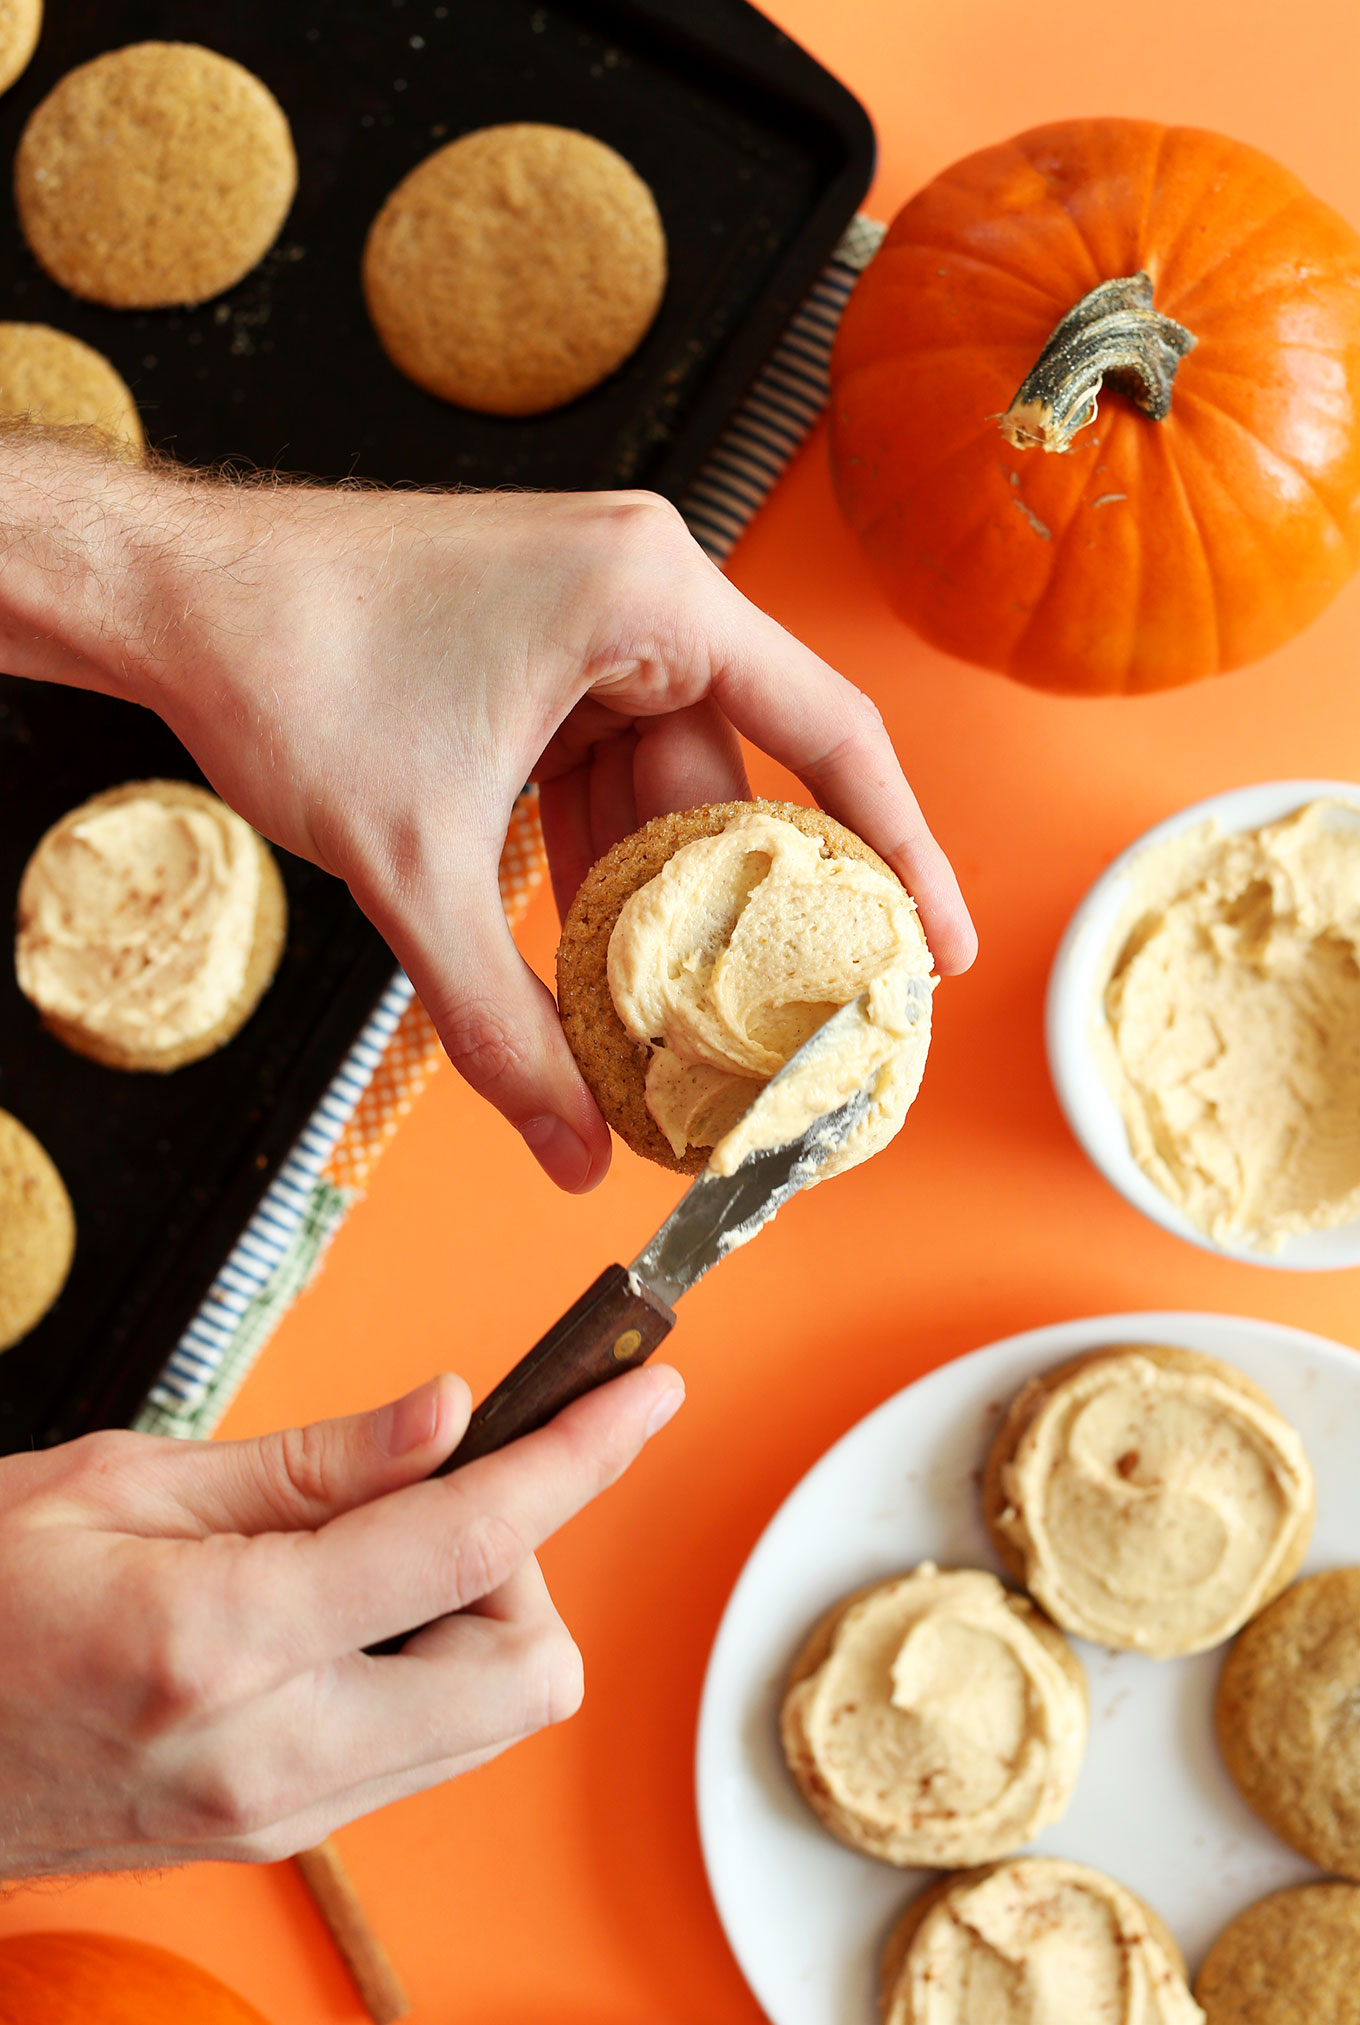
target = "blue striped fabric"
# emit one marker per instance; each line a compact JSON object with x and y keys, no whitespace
{"x":300,"y":1211}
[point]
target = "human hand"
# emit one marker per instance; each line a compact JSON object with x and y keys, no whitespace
{"x":182,"y":1674}
{"x":369,"y":678}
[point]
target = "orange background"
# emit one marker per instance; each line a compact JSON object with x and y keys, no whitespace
{"x":564,"y":1882}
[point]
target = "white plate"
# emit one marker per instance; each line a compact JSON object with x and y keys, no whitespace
{"x":1154,"y":1806}
{"x":1074,"y":1009}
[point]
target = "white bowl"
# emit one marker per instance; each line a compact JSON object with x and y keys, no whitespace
{"x":1074,"y":1013}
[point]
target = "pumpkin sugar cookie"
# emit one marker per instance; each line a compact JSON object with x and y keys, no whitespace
{"x":151,"y":922}
{"x":515,"y":268}
{"x":20,"y":24}
{"x":1290,"y":1959}
{"x":936,"y":1718}
{"x":37,"y":1231}
{"x":704,"y":949}
{"x":54,"y":379}
{"x":1288,"y":1718}
{"x":1053,"y":1942}
{"x":155,"y":176}
{"x":1150,"y":1498}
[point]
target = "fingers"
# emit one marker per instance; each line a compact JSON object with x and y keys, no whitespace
{"x":442,"y":1545}
{"x":686,"y":759}
{"x":787,"y":701}
{"x":499,"y":1024}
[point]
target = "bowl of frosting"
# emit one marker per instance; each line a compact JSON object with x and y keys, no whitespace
{"x":1203,"y":1024}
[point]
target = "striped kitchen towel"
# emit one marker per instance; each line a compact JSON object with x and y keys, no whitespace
{"x":398,"y":1050}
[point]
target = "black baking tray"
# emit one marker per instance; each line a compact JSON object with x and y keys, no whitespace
{"x":758,"y":159}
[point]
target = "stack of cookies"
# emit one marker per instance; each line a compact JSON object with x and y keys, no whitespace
{"x":1149,"y":1499}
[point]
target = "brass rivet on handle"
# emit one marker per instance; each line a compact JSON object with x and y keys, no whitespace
{"x":627,"y":1344}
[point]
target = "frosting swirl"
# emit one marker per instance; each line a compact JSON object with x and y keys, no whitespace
{"x":137,"y":918}
{"x":941,"y":1727}
{"x":1231,"y":1037}
{"x":1038,"y":1941}
{"x":739,"y":949}
{"x":1157,"y":1505}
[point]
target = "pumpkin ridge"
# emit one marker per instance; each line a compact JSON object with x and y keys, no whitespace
{"x":1225,"y":254}
{"x":1280,"y":457}
{"x":1057,"y":544}
{"x":1267,"y":572}
{"x":1074,"y":230}
{"x":955,"y":250}
{"x":1192,"y":515}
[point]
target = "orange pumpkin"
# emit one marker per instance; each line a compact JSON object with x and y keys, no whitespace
{"x":1189,"y":514}
{"x":102,"y":1979}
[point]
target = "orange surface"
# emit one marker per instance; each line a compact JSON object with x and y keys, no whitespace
{"x":565,"y":1882}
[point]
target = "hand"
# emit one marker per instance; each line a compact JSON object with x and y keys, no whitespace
{"x":182,"y":1674}
{"x":370,"y":677}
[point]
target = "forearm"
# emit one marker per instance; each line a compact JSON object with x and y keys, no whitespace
{"x":102,"y":565}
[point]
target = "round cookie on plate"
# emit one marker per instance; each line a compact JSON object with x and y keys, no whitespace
{"x":1043,"y":1942}
{"x":1288,"y":1718}
{"x":936,"y":1718}
{"x":20,"y":26}
{"x":1152,"y":1499}
{"x":703,"y":950}
{"x":54,"y":379}
{"x":37,"y":1231}
{"x":1290,"y":1959}
{"x":151,"y":921}
{"x":515,"y":268}
{"x":154,"y":176}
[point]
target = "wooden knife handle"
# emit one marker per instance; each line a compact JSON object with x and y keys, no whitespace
{"x":616,"y":1324}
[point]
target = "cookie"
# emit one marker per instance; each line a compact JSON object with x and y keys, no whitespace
{"x":151,"y":921}
{"x":613,"y":1063}
{"x":56,"y":380}
{"x":37,"y":1231}
{"x":978,"y":1931}
{"x":155,"y":176}
{"x":1288,"y":1718}
{"x":515,"y":268}
{"x":1290,"y":1959}
{"x":1189,"y":1507}
{"x":20,"y":23}
{"x":935,"y":1719}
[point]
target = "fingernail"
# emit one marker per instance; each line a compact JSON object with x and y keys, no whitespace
{"x":561,"y":1153}
{"x":666,"y":1408}
{"x":409,"y":1423}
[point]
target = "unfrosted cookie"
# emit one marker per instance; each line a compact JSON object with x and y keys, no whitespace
{"x":936,"y":1718}
{"x":1288,"y":1718}
{"x":20,"y":23}
{"x":55,"y":379}
{"x":1033,"y":1941}
{"x":151,"y":921}
{"x":154,"y":176}
{"x":515,"y":268}
{"x":613,"y":1063}
{"x":1149,"y":1497}
{"x":1290,"y":1959}
{"x":37,"y":1231}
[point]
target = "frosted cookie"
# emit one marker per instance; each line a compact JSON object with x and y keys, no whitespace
{"x":20,"y":23}
{"x":703,"y":950}
{"x":61,"y":383}
{"x":151,"y":921}
{"x":935,"y":1719}
{"x":1036,"y":1941}
{"x":1288,"y":1718}
{"x":1290,"y":1959}
{"x":515,"y":268}
{"x":155,"y":176}
{"x":1150,"y":1498}
{"x":37,"y":1231}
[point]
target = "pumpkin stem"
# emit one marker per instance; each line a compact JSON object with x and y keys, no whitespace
{"x":1113,"y":334}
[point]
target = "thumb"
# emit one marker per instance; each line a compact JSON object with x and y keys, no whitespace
{"x":500,"y":1029}
{"x":298,"y":1479}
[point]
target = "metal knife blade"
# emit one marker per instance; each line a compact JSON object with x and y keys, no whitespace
{"x":718,"y":1212}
